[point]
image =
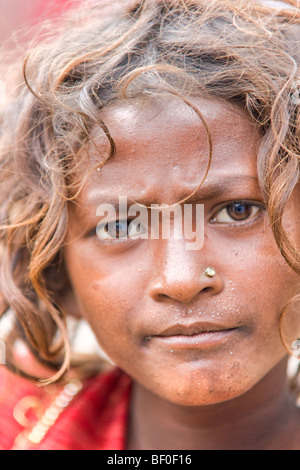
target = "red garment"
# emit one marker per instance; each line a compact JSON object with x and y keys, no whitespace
{"x":96,"y":419}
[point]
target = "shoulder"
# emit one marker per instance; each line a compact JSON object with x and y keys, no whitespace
{"x":76,"y":416}
{"x":18,"y":399}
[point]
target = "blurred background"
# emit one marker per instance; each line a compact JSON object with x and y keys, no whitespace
{"x":20,"y":14}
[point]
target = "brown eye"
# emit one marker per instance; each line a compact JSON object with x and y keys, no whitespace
{"x":237,"y":212}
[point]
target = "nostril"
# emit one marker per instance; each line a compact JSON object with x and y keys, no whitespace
{"x":163,"y":296}
{"x":206,"y":289}
{"x":183,"y":288}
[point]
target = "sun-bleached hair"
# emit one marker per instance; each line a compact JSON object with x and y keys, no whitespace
{"x":241,"y":51}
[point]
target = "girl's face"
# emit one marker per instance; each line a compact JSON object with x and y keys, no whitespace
{"x":187,"y":337}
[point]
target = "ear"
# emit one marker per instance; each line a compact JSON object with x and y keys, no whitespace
{"x":67,"y":301}
{"x":3,"y":306}
{"x":59,"y":283}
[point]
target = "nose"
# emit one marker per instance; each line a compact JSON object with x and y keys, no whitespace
{"x":180,"y":273}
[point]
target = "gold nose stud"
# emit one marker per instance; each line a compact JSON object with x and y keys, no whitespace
{"x":210,"y":272}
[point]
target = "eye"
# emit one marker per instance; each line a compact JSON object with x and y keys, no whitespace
{"x":237,"y":212}
{"x":119,"y":230}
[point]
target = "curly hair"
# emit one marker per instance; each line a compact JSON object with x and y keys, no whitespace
{"x":240,"y":51}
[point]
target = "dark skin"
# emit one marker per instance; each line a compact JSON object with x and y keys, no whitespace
{"x":228,"y":390}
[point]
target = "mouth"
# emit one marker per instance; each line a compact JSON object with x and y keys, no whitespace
{"x":196,"y":335}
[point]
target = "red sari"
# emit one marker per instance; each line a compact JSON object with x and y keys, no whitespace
{"x":92,"y":416}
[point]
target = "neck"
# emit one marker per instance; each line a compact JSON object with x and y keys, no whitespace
{"x":263,"y":418}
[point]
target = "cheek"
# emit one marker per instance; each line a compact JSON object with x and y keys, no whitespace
{"x":108,"y":295}
{"x":258,"y":286}
{"x":261,"y":284}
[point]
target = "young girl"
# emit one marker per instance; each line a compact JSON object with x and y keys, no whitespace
{"x":192,"y":104}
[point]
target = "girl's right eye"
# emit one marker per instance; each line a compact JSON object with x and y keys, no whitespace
{"x":112,"y":230}
{"x":119,"y":230}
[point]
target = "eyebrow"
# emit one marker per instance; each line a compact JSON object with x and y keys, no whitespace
{"x":208,"y":192}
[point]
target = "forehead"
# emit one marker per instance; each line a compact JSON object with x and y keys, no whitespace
{"x":167,"y":141}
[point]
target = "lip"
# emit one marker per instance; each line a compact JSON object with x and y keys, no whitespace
{"x":197,"y":335}
{"x":192,"y":329}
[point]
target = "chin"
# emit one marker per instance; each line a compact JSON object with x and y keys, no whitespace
{"x":200,"y":397}
{"x":201,"y":388}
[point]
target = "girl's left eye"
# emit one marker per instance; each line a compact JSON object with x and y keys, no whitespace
{"x":237,"y":212}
